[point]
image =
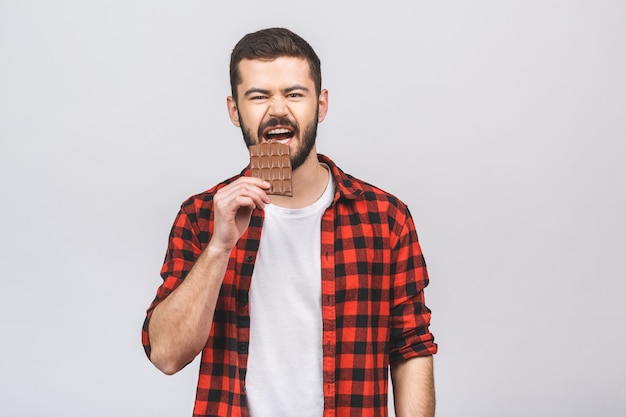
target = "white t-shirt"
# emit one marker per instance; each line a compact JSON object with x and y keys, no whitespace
{"x":284,"y":377}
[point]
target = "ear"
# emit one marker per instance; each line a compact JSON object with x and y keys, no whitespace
{"x":232,"y":110}
{"x":322,"y":106}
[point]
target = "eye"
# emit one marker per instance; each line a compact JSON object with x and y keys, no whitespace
{"x":258,"y":98}
{"x":294,"y":95}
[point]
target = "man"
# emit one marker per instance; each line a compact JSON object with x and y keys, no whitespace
{"x":290,"y":321}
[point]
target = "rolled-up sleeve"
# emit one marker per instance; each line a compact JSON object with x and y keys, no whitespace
{"x":182,"y":251}
{"x":410,"y":318}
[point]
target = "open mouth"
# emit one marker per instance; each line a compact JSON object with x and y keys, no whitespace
{"x":278,"y":134}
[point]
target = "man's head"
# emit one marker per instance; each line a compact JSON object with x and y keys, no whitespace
{"x":277,"y":94}
{"x":269,"y":44}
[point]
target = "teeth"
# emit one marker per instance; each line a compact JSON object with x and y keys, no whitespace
{"x":283,"y":141}
{"x":278,"y":131}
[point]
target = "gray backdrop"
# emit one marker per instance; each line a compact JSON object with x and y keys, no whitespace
{"x":502,"y":124}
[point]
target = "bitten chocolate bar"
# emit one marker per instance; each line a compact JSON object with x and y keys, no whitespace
{"x":271,"y":161}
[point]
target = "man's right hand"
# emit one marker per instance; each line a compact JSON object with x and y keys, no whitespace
{"x":233,"y":206}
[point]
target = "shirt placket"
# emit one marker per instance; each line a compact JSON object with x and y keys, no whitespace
{"x":247,"y":248}
{"x":329,"y":332}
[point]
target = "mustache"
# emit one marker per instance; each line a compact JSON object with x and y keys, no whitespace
{"x":282,"y":121}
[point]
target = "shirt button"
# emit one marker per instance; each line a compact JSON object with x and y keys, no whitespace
{"x":243,"y":298}
{"x":243,"y":347}
{"x":249,"y":258}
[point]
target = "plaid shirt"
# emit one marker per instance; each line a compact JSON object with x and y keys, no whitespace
{"x":373,"y":311}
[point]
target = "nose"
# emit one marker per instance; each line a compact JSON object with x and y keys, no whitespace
{"x":278,"y":108}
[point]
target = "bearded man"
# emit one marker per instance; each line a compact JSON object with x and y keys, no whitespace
{"x":298,"y":305}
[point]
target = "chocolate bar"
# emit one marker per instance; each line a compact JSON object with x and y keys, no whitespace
{"x":271,"y":161}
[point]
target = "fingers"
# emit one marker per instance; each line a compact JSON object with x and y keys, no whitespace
{"x":244,"y":192}
{"x":233,"y":206}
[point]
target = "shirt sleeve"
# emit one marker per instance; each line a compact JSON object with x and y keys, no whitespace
{"x":410,"y":318}
{"x":182,"y":251}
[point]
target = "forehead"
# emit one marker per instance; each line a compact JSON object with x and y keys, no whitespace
{"x":277,"y":72}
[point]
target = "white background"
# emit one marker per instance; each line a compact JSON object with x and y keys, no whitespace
{"x":502,"y":124}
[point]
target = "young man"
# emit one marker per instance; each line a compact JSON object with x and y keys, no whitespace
{"x":297,"y":304}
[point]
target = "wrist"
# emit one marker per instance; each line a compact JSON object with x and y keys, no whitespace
{"x":215,"y":250}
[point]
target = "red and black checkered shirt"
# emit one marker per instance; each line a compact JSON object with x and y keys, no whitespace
{"x":373,"y":311}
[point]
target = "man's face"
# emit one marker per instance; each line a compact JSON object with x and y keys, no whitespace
{"x":277,"y":102}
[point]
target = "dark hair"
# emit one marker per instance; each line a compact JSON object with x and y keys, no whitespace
{"x":269,"y":44}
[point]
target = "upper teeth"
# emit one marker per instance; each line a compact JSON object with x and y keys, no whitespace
{"x":278,"y":131}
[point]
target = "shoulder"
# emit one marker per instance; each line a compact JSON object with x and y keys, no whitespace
{"x":371,"y":192}
{"x":380,"y":206}
{"x":362,"y":202}
{"x":370,"y":197}
{"x":350,"y":188}
{"x":204,"y":199}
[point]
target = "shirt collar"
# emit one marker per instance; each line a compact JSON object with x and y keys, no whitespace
{"x":345,"y":185}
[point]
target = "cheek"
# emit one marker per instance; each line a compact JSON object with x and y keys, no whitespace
{"x":306,"y":115}
{"x":252,"y":118}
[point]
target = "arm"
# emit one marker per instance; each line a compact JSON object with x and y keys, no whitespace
{"x":413,"y":387}
{"x":412,"y":342}
{"x":180,"y":325}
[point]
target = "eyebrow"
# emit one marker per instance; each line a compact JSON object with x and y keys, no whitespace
{"x":294,"y":88}
{"x":287,"y":90}
{"x":256,"y":91}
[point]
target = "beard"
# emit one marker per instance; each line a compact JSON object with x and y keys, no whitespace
{"x":306,"y":137}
